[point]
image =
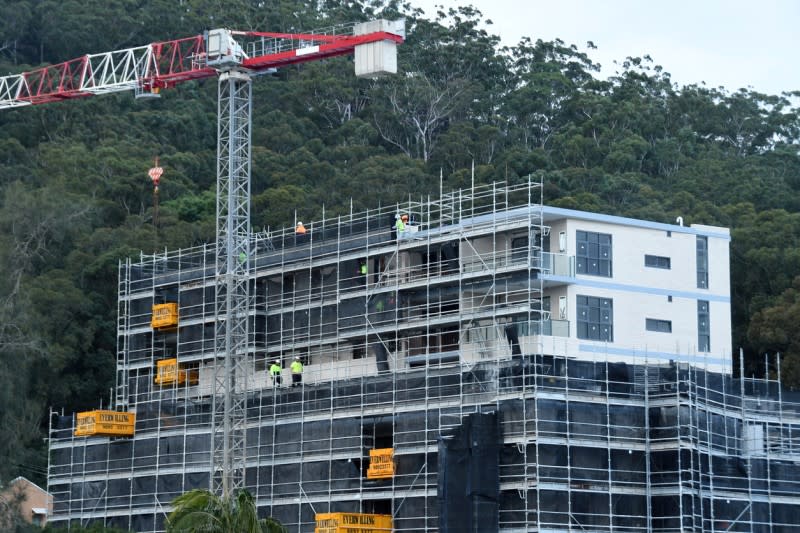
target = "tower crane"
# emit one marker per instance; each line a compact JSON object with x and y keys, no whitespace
{"x":234,"y":57}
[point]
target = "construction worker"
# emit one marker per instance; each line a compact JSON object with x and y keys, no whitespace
{"x":379,"y":307}
{"x":399,"y":226}
{"x":297,"y":372}
{"x":300,"y":233}
{"x":275,"y":372}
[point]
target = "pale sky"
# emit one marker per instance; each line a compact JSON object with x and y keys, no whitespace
{"x":732,"y":43}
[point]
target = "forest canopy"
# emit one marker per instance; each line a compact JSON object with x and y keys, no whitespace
{"x":75,"y":198}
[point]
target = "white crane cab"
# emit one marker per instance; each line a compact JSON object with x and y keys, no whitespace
{"x":222,"y":50}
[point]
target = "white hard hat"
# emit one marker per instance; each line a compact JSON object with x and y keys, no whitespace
{"x":296,"y":358}
{"x":299,"y":223}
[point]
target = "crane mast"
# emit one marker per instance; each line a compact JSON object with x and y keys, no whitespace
{"x":148,"y":69}
{"x":232,"y":295}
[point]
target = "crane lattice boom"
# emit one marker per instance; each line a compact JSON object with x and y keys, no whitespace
{"x":161,"y":65}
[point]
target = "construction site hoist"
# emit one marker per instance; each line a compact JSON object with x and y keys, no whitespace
{"x":234,"y":57}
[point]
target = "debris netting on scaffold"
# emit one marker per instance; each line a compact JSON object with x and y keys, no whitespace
{"x":469,"y":476}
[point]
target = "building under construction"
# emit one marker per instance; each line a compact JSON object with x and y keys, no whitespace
{"x":487,"y":364}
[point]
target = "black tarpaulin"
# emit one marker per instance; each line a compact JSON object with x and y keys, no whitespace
{"x":469,"y":481}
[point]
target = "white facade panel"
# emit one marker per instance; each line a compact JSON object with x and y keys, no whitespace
{"x":661,"y":293}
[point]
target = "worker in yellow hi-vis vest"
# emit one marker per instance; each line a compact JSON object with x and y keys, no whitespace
{"x":275,"y":372}
{"x":399,"y":227}
{"x":297,"y":372}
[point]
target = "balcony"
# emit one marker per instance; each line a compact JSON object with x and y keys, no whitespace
{"x":550,"y":328}
{"x":553,"y":264}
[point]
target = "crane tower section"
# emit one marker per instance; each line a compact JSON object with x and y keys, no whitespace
{"x":232,"y":294}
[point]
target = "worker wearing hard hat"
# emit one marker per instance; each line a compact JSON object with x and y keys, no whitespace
{"x":297,"y":372}
{"x":300,"y":233}
{"x":275,"y":372}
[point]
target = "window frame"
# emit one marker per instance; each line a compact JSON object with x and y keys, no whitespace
{"x":591,"y":323}
{"x":701,"y":254}
{"x":590,"y":247}
{"x":703,"y":326}
{"x":658,"y":261}
{"x":656,"y":325}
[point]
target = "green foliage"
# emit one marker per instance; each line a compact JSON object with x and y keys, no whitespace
{"x":201,"y":510}
{"x":774,"y":329}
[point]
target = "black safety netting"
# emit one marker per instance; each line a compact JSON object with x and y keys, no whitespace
{"x":468,"y":477}
{"x":591,"y":436}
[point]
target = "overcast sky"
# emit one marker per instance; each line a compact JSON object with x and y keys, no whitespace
{"x":730,"y":43}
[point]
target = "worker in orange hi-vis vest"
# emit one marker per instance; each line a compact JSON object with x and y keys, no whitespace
{"x":300,"y":233}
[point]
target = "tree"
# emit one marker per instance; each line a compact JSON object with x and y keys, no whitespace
{"x":548,"y":75}
{"x":450,"y":73}
{"x":774,"y":329}
{"x":201,"y":510}
{"x":11,"y":515}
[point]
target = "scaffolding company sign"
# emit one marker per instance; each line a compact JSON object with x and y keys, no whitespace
{"x":100,"y":423}
{"x":381,"y":463}
{"x":164,"y":315}
{"x":353,"y":523}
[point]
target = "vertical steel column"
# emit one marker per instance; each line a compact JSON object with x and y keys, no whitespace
{"x":123,"y":334}
{"x":232,"y":288}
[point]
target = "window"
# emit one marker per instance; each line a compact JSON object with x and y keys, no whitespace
{"x":593,"y":256}
{"x":595,"y":318}
{"x":702,"y":262}
{"x":703,"y":327}
{"x":661,"y":326}
{"x":657,"y":261}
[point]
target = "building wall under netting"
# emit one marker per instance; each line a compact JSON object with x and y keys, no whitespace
{"x":533,"y":443}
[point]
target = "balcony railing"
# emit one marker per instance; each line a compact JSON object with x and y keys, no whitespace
{"x":555,"y":264}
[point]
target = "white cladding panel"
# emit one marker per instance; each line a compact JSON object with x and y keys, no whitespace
{"x":639,"y":292}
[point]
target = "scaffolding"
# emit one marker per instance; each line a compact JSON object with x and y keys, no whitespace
{"x":429,"y":348}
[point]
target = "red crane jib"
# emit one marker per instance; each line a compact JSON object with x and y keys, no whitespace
{"x":165,"y":64}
